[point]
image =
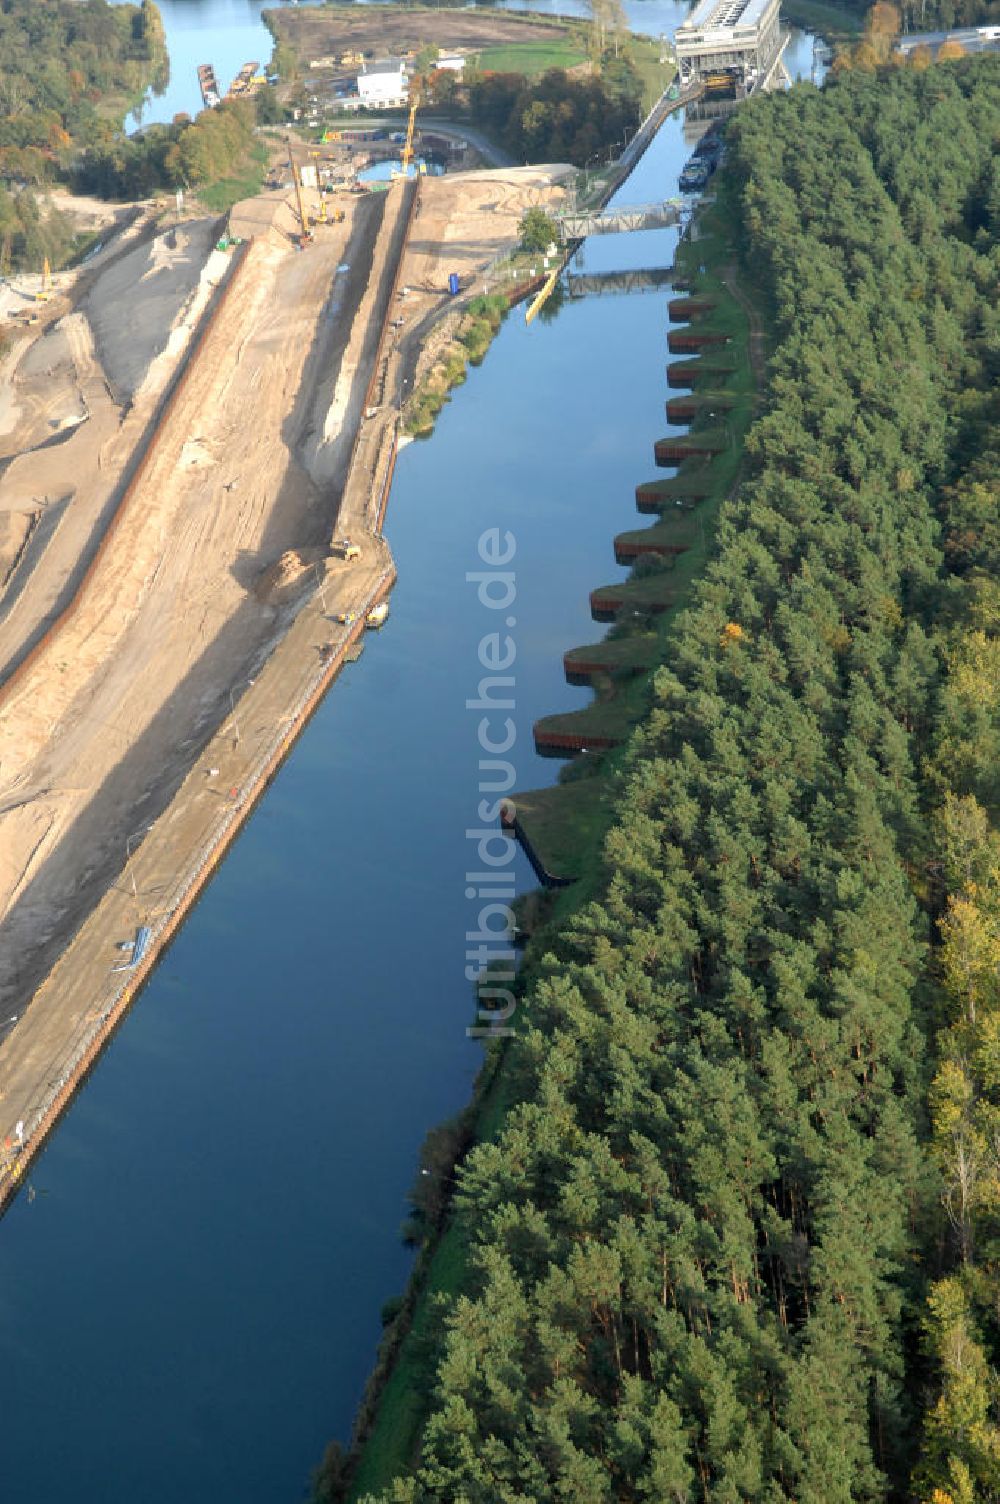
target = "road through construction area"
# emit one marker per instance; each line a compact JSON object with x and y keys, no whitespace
{"x":169,"y":594}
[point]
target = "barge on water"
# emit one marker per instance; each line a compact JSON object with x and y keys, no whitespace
{"x":245,"y":81}
{"x":209,"y":86}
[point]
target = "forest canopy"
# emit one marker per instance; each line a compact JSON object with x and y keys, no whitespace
{"x":738,"y":1237}
{"x":558,"y":118}
{"x":934,"y":15}
{"x":70,"y":70}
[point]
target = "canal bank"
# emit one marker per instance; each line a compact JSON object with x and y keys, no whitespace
{"x":561,"y":829}
{"x":172,"y":836}
{"x":213,"y":1229}
{"x":197,"y":1275}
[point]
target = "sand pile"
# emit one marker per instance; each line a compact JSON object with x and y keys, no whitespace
{"x":279,"y":578}
{"x":465,"y":217}
{"x":153,"y":283}
{"x":270,"y":216}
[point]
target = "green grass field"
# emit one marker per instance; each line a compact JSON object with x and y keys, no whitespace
{"x":656,"y":70}
{"x":565,"y":821}
{"x":618,"y":655}
{"x":531,"y":58}
{"x":402,"y":1404}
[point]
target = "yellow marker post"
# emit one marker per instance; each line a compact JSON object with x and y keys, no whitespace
{"x":537,"y":303}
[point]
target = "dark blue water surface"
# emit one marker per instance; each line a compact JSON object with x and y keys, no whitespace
{"x":189,"y":1305}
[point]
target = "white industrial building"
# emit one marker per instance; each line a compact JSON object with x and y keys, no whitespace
{"x":383,"y":84}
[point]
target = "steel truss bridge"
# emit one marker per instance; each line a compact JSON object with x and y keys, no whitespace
{"x":577,"y":224}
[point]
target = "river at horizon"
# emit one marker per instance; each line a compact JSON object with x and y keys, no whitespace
{"x":190,"y":1295}
{"x":229,"y":33}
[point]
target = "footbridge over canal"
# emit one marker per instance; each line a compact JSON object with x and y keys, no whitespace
{"x":577,"y":224}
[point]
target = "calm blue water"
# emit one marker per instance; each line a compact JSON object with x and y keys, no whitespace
{"x":189,"y":1306}
{"x":381,"y":172}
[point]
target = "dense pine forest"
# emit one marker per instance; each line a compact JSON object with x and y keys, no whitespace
{"x":738,"y":1236}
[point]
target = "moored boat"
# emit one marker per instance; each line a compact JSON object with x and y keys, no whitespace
{"x":245,"y":81}
{"x":209,"y":86}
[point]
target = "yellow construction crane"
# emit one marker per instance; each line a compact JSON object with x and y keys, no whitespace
{"x":45,"y":293}
{"x":306,"y":234}
{"x":406,"y":155}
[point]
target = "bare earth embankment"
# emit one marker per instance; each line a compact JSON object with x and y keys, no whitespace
{"x":183,"y":442}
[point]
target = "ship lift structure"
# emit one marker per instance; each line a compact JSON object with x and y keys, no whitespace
{"x":732,"y":46}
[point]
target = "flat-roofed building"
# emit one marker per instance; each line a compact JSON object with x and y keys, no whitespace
{"x":383,"y":84}
{"x":738,"y":41}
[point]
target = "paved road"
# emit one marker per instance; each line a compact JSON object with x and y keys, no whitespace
{"x":492,"y":154}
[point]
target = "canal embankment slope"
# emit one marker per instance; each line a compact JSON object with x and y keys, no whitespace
{"x":198,"y":574}
{"x":143,"y":724}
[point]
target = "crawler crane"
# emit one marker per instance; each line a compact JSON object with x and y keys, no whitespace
{"x":406,"y":155}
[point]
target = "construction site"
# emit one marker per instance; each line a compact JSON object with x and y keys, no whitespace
{"x":198,"y":429}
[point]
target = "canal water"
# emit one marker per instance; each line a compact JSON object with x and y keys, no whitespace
{"x":190,"y":1287}
{"x":384,"y":172}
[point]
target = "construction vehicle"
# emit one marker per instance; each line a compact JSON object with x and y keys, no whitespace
{"x":344,"y":549}
{"x":45,"y":292}
{"x":305,"y":233}
{"x":406,"y":155}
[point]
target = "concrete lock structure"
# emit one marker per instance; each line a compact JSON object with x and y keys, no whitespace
{"x":732,"y":45}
